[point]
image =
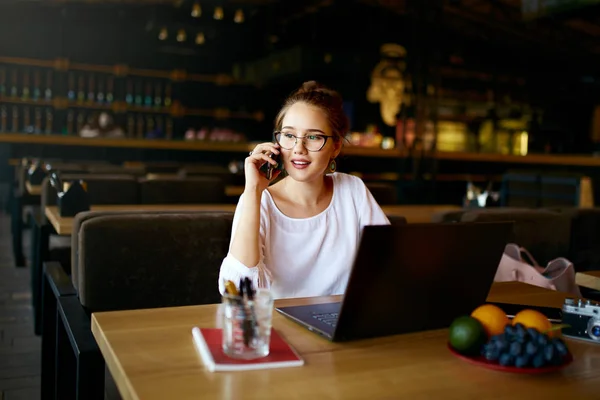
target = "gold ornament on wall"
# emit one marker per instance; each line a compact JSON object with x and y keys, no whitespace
{"x":388,"y":83}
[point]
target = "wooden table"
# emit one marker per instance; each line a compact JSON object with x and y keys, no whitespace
{"x":64,"y":225}
{"x":33,"y":189}
{"x":150,"y":354}
{"x":231,"y":191}
{"x":588,"y":279}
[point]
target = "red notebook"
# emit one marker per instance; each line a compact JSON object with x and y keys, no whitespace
{"x":208,"y":342}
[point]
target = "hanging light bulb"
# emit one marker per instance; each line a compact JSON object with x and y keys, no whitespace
{"x":200,"y":38}
{"x":196,"y":10}
{"x":238,"y":18}
{"x":218,"y":13}
{"x":163,"y":34}
{"x":180,"y":35}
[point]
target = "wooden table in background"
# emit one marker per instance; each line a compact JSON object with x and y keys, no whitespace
{"x":231,"y":191}
{"x":63,"y":225}
{"x":417,"y":213}
{"x":151,"y":355}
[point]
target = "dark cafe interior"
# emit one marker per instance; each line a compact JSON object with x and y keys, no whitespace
{"x":301,"y":199}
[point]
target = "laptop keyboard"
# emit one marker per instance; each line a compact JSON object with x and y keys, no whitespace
{"x":327,"y":318}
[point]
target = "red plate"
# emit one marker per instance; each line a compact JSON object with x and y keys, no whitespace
{"x":481,"y":361}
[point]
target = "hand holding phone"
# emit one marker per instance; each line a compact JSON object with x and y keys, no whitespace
{"x":259,"y":168}
{"x":268,"y":169}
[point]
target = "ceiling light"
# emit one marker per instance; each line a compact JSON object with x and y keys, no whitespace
{"x":218,"y":13}
{"x":200,"y":38}
{"x":196,"y":10}
{"x":239,"y":16}
{"x":163,"y":34}
{"x":181,"y":35}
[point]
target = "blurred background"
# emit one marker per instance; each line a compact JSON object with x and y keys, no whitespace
{"x":431,"y":87}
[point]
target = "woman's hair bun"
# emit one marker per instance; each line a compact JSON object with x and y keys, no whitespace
{"x":314,"y":86}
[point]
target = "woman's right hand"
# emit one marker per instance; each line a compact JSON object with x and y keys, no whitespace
{"x":255,"y":180}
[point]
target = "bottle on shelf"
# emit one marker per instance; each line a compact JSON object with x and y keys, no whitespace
{"x":37,"y":80}
{"x":25,"y":92}
{"x":100,"y":94}
{"x":138,"y":93}
{"x":148,"y":95}
{"x":71,"y":87}
{"x":48,"y":91}
{"x":91,"y":84}
{"x":110,"y":84}
{"x":167,"y":95}
{"x":169,"y":130}
{"x":37,"y":125}
{"x":140,"y":127}
{"x":3,"y":119}
{"x":129,"y":92}
{"x":27,"y":127}
{"x":13,"y":84}
{"x":80,"y":89}
{"x":49,"y":121}
{"x":70,"y":122}
{"x":157,"y":98}
{"x":150,"y":132}
{"x":15,"y":119}
{"x":80,"y":122}
{"x":2,"y":82}
{"x":130,"y":126}
{"x":160,"y":126}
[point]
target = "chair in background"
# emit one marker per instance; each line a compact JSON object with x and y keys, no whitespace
{"x":126,"y":261}
{"x":198,"y":190}
{"x":544,"y":233}
{"x":46,"y":246}
{"x":384,"y":193}
{"x":520,"y":189}
{"x":396,"y":220}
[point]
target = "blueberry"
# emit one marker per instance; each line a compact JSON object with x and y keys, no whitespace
{"x":549,"y":352}
{"x":520,"y":331}
{"x":560,"y":346}
{"x":533,"y":333}
{"x":506,"y":359}
{"x":491,"y":354}
{"x":501,"y":344}
{"x":542,"y":340}
{"x":509,"y":330}
{"x":515,"y":349}
{"x":522,"y":361}
{"x":538,"y":360}
{"x":531,"y":348}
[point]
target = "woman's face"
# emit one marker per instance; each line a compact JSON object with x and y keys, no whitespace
{"x":305,"y":121}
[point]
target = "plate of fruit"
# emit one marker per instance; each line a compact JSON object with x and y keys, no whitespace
{"x":528,"y":344}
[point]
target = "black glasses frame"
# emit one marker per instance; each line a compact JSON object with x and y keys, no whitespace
{"x":301,"y":137}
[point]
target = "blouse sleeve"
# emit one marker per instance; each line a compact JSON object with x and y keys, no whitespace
{"x":233,"y":270}
{"x":370,"y":212}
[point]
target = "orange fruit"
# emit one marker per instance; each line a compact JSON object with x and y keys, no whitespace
{"x":534,"y":319}
{"x":493,"y":319}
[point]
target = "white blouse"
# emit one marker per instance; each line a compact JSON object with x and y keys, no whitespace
{"x":303,"y":257}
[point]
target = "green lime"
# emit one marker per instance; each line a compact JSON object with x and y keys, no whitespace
{"x":467,"y":335}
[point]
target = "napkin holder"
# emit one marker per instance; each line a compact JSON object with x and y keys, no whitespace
{"x":36,"y":174}
{"x":74,"y":199}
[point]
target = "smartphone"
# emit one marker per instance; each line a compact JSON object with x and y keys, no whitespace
{"x":268,"y":169}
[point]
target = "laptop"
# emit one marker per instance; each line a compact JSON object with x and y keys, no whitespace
{"x":410,"y":278}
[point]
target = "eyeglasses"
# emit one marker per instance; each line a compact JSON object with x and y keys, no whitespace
{"x":311,"y":142}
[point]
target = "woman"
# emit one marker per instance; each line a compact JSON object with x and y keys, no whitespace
{"x":299,"y":236}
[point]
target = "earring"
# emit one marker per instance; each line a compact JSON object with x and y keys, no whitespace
{"x":332,"y":166}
